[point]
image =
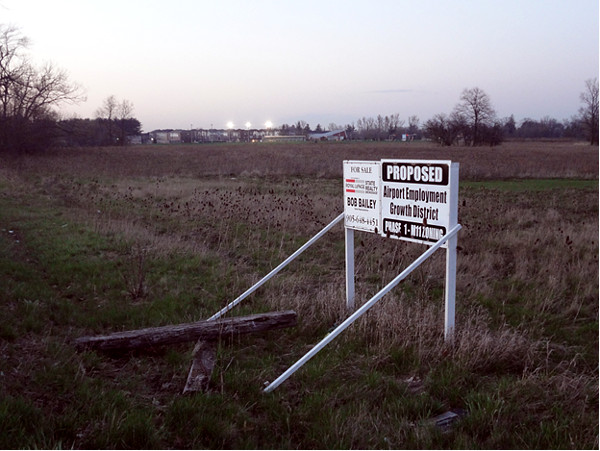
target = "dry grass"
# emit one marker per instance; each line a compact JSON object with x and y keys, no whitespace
{"x":527,"y":282}
{"x":323,"y":160}
{"x":161,"y":198}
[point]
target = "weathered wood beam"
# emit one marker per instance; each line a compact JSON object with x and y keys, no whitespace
{"x":206,"y":330}
{"x":205,"y":355}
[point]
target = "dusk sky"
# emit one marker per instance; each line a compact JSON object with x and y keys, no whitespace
{"x":199,"y":63}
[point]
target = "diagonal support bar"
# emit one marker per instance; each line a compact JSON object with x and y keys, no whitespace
{"x":282,"y":265}
{"x":338,"y":330}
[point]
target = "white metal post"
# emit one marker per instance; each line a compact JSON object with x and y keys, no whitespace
{"x":349,"y":268}
{"x":450,"y":288}
{"x":450,"y":296}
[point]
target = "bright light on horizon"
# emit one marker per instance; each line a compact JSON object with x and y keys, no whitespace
{"x":268,"y":124}
{"x":248,"y":124}
{"x":229,"y":125}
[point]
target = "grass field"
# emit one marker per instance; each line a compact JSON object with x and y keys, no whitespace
{"x":94,"y":241}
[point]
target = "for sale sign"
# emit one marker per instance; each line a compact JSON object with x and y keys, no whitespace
{"x":362,"y":180}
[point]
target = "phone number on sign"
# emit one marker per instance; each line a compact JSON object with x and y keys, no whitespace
{"x":354,"y":219}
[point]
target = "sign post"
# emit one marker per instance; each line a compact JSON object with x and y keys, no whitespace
{"x":451,"y":256}
{"x":349,"y":268}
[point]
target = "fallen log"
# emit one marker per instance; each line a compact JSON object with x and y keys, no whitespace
{"x":206,"y":330}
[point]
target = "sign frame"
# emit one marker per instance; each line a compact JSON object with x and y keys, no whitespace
{"x":440,"y":179}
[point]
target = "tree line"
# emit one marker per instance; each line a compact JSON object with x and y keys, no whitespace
{"x":473,"y":122}
{"x":30,"y":97}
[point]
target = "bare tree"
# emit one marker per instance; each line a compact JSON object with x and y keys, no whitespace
{"x":413,"y":124}
{"x":381,"y":126}
{"x":125,"y":112}
{"x":117,"y":117}
{"x":108,"y":111}
{"x":476,"y":108}
{"x":393,"y":124}
{"x":28,"y":95}
{"x":367,"y":127}
{"x":442,"y":129}
{"x":12,"y":65}
{"x":589,"y":111}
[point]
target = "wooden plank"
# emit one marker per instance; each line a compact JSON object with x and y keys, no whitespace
{"x":207,"y":330}
{"x":205,"y":354}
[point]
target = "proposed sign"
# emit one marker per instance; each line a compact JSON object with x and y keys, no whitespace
{"x":415,"y":199}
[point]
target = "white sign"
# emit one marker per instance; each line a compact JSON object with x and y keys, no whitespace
{"x":403,"y":199}
{"x":415,"y":199}
{"x":362,"y":180}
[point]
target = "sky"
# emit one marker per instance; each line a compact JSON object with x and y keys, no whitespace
{"x":205,"y":63}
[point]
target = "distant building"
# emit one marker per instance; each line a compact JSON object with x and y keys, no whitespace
{"x":334,"y":135}
{"x":170,"y":136}
{"x":166,"y":137}
{"x":283,"y":138}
